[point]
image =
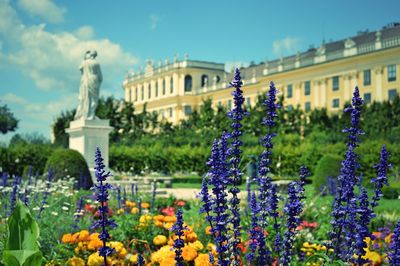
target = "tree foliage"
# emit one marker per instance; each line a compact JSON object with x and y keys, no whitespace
{"x":7,"y":120}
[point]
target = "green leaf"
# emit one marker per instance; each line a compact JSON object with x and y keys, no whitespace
{"x":23,"y":230}
{"x":22,"y":247}
{"x":22,"y":258}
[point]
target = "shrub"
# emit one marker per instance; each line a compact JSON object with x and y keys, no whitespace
{"x":391,"y":192}
{"x":65,"y":162}
{"x":328,"y":166}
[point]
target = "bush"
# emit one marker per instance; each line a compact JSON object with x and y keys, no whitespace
{"x":65,"y":162}
{"x":390,"y":192}
{"x":328,"y":166}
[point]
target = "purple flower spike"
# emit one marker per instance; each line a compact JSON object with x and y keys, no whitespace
{"x":178,"y":229}
{"x":101,"y":189}
{"x":394,"y":254}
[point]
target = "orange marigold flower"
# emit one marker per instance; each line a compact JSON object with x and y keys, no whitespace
{"x":83,"y":235}
{"x":130,"y":204}
{"x":170,"y":219}
{"x":145,"y":205}
{"x":208,"y":230}
{"x":159,"y":218}
{"x":167,"y":262}
{"x":202,"y":260}
{"x":67,"y":238}
{"x":192,"y":237}
{"x":189,"y":253}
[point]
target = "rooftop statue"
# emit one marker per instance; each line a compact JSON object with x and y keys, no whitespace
{"x":91,"y":79}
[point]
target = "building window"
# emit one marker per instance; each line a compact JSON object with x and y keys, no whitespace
{"x":149,"y":95}
{"x":136,"y":94}
{"x":307,"y":106}
{"x":162,"y":113}
{"x":367,"y":98}
{"x":187,"y":109}
{"x":130,"y":95}
{"x":229,"y":104}
{"x":219,"y":103}
{"x":217,"y":79}
{"x":171,"y":112}
{"x":188,"y":83}
{"x":307,"y":88}
{"x":289,"y":107}
{"x":335,"y":103}
{"x":204,"y":80}
{"x":156,"y":89}
{"x":289,"y":91}
{"x":392,"y":94}
{"x":391,"y":72}
{"x":248,"y":102}
{"x":171,"y":85}
{"x":142,"y":93}
{"x":335,"y":83}
{"x":163,"y":87}
{"x":367,"y":77}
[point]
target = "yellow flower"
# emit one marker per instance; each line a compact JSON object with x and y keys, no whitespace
{"x":168,"y":225}
{"x":135,"y":210}
{"x":160,"y":240}
{"x":145,"y":219}
{"x":202,"y":260}
{"x":158,"y":224}
{"x":76,"y":261}
{"x":163,"y":253}
{"x":189,"y":253}
{"x":120,"y":211}
{"x":197,"y":245}
{"x":130,"y":204}
{"x":96,"y":260}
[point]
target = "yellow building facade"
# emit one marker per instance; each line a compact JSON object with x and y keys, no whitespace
{"x":319,"y":77}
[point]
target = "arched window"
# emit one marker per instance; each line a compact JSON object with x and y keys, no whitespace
{"x":188,"y":83}
{"x":142,"y":92}
{"x":204,"y":80}
{"x":136,"y":94}
{"x":163,"y":87}
{"x":171,"y":85}
{"x":156,"y":89}
{"x":130,"y":95}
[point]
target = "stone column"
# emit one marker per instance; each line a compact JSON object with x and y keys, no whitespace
{"x":347,"y":90}
{"x":86,"y":135}
{"x":378,"y":83}
{"x":322,"y":87}
{"x":316,"y":92}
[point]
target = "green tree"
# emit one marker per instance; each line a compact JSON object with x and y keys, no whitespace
{"x":7,"y":120}
{"x":60,"y":124}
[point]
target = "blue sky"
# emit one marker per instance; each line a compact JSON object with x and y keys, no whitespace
{"x":42,"y":42}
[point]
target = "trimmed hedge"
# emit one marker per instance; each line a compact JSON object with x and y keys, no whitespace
{"x":65,"y":162}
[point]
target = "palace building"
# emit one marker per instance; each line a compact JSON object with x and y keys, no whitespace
{"x":319,"y":77}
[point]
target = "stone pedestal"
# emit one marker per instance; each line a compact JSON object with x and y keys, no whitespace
{"x":86,"y":135}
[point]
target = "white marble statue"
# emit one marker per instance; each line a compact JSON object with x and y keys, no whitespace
{"x":91,"y":79}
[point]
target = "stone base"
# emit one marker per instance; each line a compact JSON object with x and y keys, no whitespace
{"x":86,"y":135}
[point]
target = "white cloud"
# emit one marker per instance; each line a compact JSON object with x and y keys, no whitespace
{"x":85,"y":32}
{"x":52,"y":60}
{"x":39,"y":111}
{"x":153,"y":21}
{"x":44,"y":9}
{"x":286,"y":46}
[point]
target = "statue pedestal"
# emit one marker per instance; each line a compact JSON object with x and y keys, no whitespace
{"x":86,"y":135}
